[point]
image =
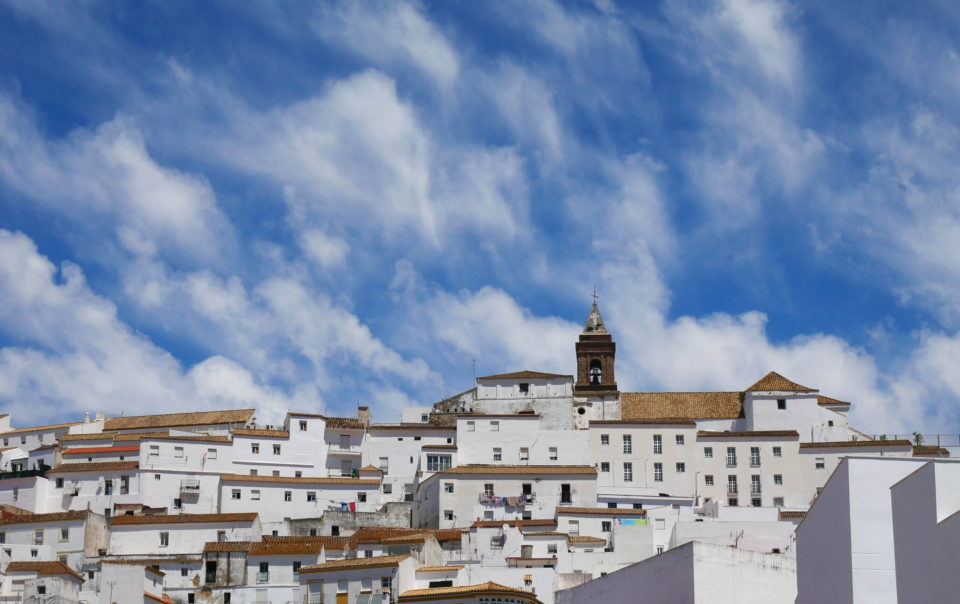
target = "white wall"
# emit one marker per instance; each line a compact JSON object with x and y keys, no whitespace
{"x":185,"y":538}
{"x":477,"y":436}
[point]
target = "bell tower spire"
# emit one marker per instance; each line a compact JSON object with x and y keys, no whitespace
{"x":596,"y":353}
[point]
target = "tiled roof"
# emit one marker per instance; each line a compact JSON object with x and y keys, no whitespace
{"x":747,"y":434}
{"x":169,"y":420}
{"x":45,"y":447}
{"x":531,"y":469}
{"x":165,"y":598}
{"x":413,"y":427}
{"x":156,"y":561}
{"x":371,"y":468}
{"x":774,"y":382}
{"x":438,"y":569}
{"x":585,"y":539}
{"x":89,"y":450}
{"x":138,"y":436}
{"x":344,"y":423}
{"x":46,"y":428}
{"x":301,"y":480}
{"x":304,"y":414}
{"x":261,"y":432}
{"x":515,"y":522}
{"x":330,"y":543}
{"x":199,"y":438}
{"x":600,"y":511}
{"x":283,"y":548}
{"x":545,"y":534}
{"x":42,"y":568}
{"x":691,"y":405}
{"x":445,"y":447}
{"x":826,"y":400}
{"x":215,"y":547}
{"x":464,"y":591}
{"x":670,"y":421}
{"x":183,"y":518}
{"x":792,"y":513}
{"x":353,"y":563}
{"x":95,"y":466}
{"x":856,"y":443}
{"x":384,"y":534}
{"x":96,"y":436}
{"x":52,"y":517}
{"x":522,"y":375}
{"x":406,"y":539}
{"x":522,"y":414}
{"x":920,"y":450}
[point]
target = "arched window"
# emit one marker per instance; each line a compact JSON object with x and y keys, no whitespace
{"x":595,"y":372}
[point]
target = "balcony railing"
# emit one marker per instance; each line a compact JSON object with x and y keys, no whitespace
{"x":339,"y":449}
{"x":189,"y":485}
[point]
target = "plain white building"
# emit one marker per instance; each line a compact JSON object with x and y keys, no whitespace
{"x":179,"y":534}
{"x":67,"y":537}
{"x":845,"y":545}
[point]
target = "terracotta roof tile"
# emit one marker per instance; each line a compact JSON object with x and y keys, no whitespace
{"x":170,"y":420}
{"x":214,"y":547}
{"x":371,"y":468}
{"x":137,"y":436}
{"x":921,"y":450}
{"x":668,"y":421}
{"x":774,"y":382}
{"x":301,"y":480}
{"x":352,"y":563}
{"x":515,"y":522}
{"x":199,"y":438}
{"x":856,"y":443}
{"x":483,"y":589}
{"x":42,"y":568}
{"x":47,"y":428}
{"x":183,"y":519}
{"x":585,"y":539}
{"x":261,"y":432}
{"x":413,"y":427}
{"x":96,"y":466}
{"x":522,"y":375}
{"x":530,"y":469}
{"x":283,"y":548}
{"x":438,"y":569}
{"x":330,"y":543}
{"x":688,"y":405}
{"x":344,"y":423}
{"x":52,"y":517}
{"x":826,"y":400}
{"x":155,"y":561}
{"x":545,"y":534}
{"x":600,"y":511}
{"x":164,"y":598}
{"x":792,"y":513}
{"x":444,"y":447}
{"x":748,"y":434}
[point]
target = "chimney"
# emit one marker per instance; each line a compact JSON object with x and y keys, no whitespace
{"x":363,"y":414}
{"x":86,"y":417}
{"x":100,"y":416}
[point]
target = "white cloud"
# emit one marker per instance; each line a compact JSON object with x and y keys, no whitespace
{"x":108,"y":177}
{"x":389,"y":33}
{"x":326,"y":250}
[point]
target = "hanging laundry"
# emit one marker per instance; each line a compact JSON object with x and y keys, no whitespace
{"x":353,"y":506}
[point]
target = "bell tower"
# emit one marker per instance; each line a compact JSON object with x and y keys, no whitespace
{"x":596,"y":352}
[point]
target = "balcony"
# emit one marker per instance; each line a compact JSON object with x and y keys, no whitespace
{"x":190,"y":486}
{"x":341,"y":449}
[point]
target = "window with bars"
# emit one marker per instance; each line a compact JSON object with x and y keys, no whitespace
{"x":708,"y":480}
{"x":658,"y":472}
{"x":708,"y":452}
{"x":627,"y":443}
{"x":731,"y":484}
{"x":628,"y":472}
{"x":755,"y":484}
{"x":731,"y":457}
{"x":755,"y":456}
{"x":657,"y":444}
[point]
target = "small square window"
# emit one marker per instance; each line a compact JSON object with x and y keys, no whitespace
{"x":494,"y":426}
{"x":524,"y":388}
{"x":448,"y":514}
{"x":497,"y":454}
{"x":708,"y":480}
{"x":254,"y":448}
{"x":681,"y":467}
{"x":276,"y":449}
{"x":59,"y":483}
{"x":178,"y":451}
{"x":362,"y":497}
{"x":164,"y":539}
{"x":424,"y":417}
{"x":183,"y":571}
{"x":679,"y":440}
{"x":471,"y":426}
{"x":298,"y":474}
{"x":311,"y":496}
{"x":820,"y":463}
{"x":303,"y":425}
{"x":781,"y":403}
{"x":778,"y":479}
{"x":448,"y":487}
{"x":777,"y":452}
{"x":235,"y":494}
{"x":604,"y":439}
{"x":553,"y":454}
{"x":604,"y":466}
{"x":708,"y":452}
{"x":178,"y":504}
{"x":41,"y":590}
{"x":191,"y":598}
{"x":606,"y":526}
{"x":778,"y":502}
{"x":830,"y":423}
{"x":288,"y":495}
{"x":156,"y":477}
{"x":64,"y":533}
{"x":255,"y":494}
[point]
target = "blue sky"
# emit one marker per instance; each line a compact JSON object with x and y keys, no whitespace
{"x":313,"y":205}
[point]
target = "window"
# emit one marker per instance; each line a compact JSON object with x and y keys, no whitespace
{"x":524,"y":388}
{"x":708,"y":452}
{"x":731,"y":457}
{"x":573,"y":528}
{"x":255,"y":494}
{"x":657,"y":444}
{"x":604,"y":466}
{"x":551,"y":548}
{"x":276,"y":473}
{"x":235,"y":494}
{"x":298,"y":474}
{"x":448,"y":514}
{"x":733,"y":502}
{"x":191,"y":598}
{"x":264,"y":574}
{"x":384,"y":464}
{"x":178,"y":451}
{"x":553,"y":454}
{"x":604,"y":439}
{"x":296,"y":569}
{"x":178,"y":503}
{"x":108,"y":487}
{"x":448,"y":487}
{"x":627,"y":443}
{"x":311,"y":496}
{"x":611,"y":505}
{"x":497,"y":454}
{"x":221,"y":536}
{"x":387,"y":488}
{"x":254,"y":448}
{"x":679,"y":440}
{"x":3,"y":537}
{"x":424,"y":417}
{"x":417,"y":438}
{"x":156,"y":477}
{"x":778,"y":502}
{"x":627,"y":472}
{"x":566,"y":495}
{"x":488,"y":489}
{"x":288,"y":495}
{"x":436,"y":463}
{"x":313,"y":532}
{"x":777,"y":452}
{"x":124,"y":485}
{"x":303,"y":425}
{"x":755,"y":484}
{"x":820,"y":464}
{"x":819,"y":490}
{"x":681,"y":467}
{"x":38,"y":537}
{"x":471,"y":426}
{"x":183,"y":571}
{"x":41,"y":590}
{"x":756,"y":502}
{"x":606,"y":526}
{"x":524,"y":454}
{"x":781,"y":403}
{"x":362,"y":497}
{"x":164,"y":539}
{"x":34,"y":553}
{"x":659,"y":549}
{"x":708,"y":480}
{"x":755,"y":456}
{"x":830,"y":423}
{"x":59,"y":483}
{"x":658,"y":472}
{"x":778,"y":479}
{"x":731,"y":483}
{"x":368,"y":553}
{"x":276,"y":449}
